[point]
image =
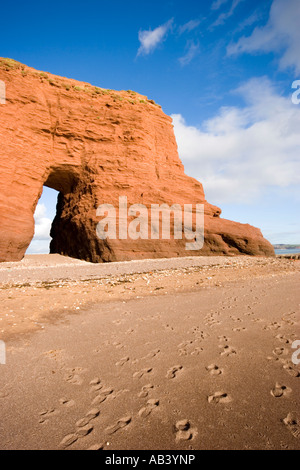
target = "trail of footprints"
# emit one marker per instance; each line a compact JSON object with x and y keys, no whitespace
{"x":280,"y":351}
{"x":85,"y":426}
{"x":219,"y":396}
{"x":183,"y":429}
{"x":292,"y":420}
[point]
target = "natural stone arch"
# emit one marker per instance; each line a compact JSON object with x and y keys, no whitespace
{"x":73,"y":230}
{"x":94,"y":145}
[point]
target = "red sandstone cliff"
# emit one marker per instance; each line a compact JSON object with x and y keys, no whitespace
{"x":93,"y":145}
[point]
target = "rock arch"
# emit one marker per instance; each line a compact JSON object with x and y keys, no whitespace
{"x":93,"y":145}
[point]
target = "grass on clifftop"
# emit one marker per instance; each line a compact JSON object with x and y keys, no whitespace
{"x":9,"y":64}
{"x":133,"y":97}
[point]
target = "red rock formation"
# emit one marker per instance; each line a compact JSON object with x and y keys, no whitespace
{"x":93,"y":145}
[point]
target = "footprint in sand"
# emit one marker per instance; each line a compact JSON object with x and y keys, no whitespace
{"x":223,"y":338}
{"x":101,"y":397}
{"x":283,"y":339}
{"x":92,"y":414}
{"x":184,"y":346}
{"x":68,"y":441}
{"x":73,"y":377}
{"x":227,"y":350}
{"x":212,"y":322}
{"x":184,"y":431}
{"x":139,"y":374}
{"x":96,"y":385}
{"x":280,"y":351}
{"x":129,"y":331}
{"x":197,"y":351}
{"x":46,"y":414}
{"x":151,"y":354}
{"x":213,"y":369}
{"x":120,"y":424}
{"x":83,"y":428}
{"x":188,"y":347}
{"x":280,"y":390}
{"x":122,"y":361}
{"x":236,"y":319}
{"x":238,"y":330}
{"x":118,"y":345}
{"x":219,"y":397}
{"x":291,"y":369}
{"x":72,"y":438}
{"x":95,"y":381}
{"x":172,"y":373}
{"x":292,"y":422}
{"x":97,"y":446}
{"x":145,"y":391}
{"x":273,"y":326}
{"x":182,"y":352}
{"x":199,"y":334}
{"x":67,"y":403}
{"x":150,"y":406}
{"x":83,"y":422}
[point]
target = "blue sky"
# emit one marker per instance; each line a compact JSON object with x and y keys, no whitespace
{"x":223,"y":69}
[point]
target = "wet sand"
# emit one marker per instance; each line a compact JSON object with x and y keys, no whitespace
{"x":196,"y":356}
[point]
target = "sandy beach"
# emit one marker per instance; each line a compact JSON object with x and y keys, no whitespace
{"x":189,"y":353}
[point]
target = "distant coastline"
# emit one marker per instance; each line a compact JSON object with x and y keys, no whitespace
{"x":282,"y":249}
{"x":282,"y":246}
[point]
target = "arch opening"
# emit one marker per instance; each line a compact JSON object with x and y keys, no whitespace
{"x":44,"y":215}
{"x":58,"y":189}
{"x":63,"y":179}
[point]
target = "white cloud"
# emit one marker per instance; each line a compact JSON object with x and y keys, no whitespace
{"x":192,"y":51}
{"x":41,"y":239}
{"x":248,"y":21}
{"x":224,"y":16}
{"x":285,"y":237}
{"x":281,"y":34}
{"x":42,"y":223}
{"x":188,"y":27}
{"x":241,"y":152}
{"x":217,"y":4}
{"x":151,"y":39}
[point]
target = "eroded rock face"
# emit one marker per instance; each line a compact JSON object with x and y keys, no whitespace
{"x":94,"y":145}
